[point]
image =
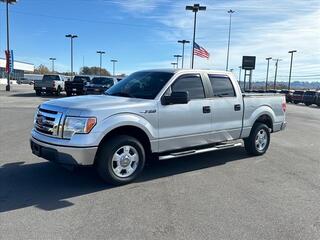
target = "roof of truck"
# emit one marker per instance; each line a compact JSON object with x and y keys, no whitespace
{"x":187,"y":70}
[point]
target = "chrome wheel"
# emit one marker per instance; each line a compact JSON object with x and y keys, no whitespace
{"x":261,"y":140}
{"x":125,"y":161}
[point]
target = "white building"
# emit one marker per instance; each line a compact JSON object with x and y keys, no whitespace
{"x":20,"y":68}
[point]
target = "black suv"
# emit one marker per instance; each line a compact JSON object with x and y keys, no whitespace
{"x":99,"y":85}
{"x":297,"y":96}
{"x":309,"y":98}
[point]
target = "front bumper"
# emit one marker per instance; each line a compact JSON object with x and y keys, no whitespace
{"x":62,"y":154}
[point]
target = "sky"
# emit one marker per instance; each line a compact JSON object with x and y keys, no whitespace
{"x":143,"y":34}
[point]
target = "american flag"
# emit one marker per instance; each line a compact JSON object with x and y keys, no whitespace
{"x":200,"y":51}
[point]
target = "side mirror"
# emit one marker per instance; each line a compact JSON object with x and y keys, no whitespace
{"x":176,"y":98}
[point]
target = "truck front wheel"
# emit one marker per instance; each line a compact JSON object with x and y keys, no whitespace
{"x":120,"y":159}
{"x":258,"y":141}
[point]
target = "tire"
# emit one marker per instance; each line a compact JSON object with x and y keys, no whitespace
{"x":38,"y":93}
{"x":124,"y":168}
{"x":58,"y":91}
{"x":69,"y":94}
{"x":295,"y":102}
{"x":253,"y":144}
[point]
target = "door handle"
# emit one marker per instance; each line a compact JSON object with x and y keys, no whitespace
{"x":206,"y":109}
{"x":237,"y":107}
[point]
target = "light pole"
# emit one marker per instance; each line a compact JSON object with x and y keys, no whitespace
{"x":230,"y":13}
{"x":8,"y":38}
{"x":291,"y":52}
{"x":174,"y":64}
{"x":276,"y":72}
{"x":114,"y":65}
{"x":195,"y":8}
{"x":267,"y":77}
{"x":52,"y":61}
{"x":240,"y":67}
{"x":177,"y":56}
{"x":71,"y":36}
{"x":100,"y":53}
{"x":183,"y":43}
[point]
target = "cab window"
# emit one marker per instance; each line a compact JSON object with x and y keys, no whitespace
{"x":221,"y":86}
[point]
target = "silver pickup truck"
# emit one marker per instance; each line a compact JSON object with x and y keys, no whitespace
{"x":152,"y":114}
{"x":50,"y":83}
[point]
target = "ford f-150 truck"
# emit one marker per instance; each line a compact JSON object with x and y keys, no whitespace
{"x":50,"y":83}
{"x":152,"y":114}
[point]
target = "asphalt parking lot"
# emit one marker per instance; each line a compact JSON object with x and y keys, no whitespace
{"x":218,"y":195}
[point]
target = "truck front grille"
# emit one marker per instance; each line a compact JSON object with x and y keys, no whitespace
{"x":48,"y":122}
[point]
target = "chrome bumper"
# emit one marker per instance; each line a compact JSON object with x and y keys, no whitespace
{"x":63,"y":154}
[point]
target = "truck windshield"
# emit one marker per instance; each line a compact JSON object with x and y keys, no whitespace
{"x":144,"y":85}
{"x":81,"y":79}
{"x":102,"y":81}
{"x":50,"y":78}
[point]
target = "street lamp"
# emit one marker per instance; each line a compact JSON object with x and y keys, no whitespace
{"x":52,"y":60}
{"x":183,"y":43}
{"x":100,"y":52}
{"x":291,"y":52}
{"x":267,"y":77}
{"x":230,"y":13}
{"x":177,"y":56}
{"x":8,"y":39}
{"x":114,"y":65}
{"x":71,"y":36}
{"x":174,"y":64}
{"x":195,"y":8}
{"x":276,"y":72}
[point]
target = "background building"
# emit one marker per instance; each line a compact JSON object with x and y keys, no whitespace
{"x":20,"y":68}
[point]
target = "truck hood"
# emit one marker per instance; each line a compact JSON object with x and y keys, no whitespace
{"x":90,"y":102}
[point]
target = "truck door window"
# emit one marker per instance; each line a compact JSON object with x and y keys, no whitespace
{"x":191,"y":84}
{"x":221,"y":86}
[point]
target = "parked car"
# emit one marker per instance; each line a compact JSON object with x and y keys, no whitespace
{"x":99,"y":85}
{"x":25,"y":81}
{"x":297,"y":96}
{"x":309,"y":98}
{"x":317,"y":101}
{"x":288,"y":94}
{"x":50,"y":84}
{"x":161,"y":114}
{"x":76,"y":86}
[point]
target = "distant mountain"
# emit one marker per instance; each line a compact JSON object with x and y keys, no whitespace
{"x":284,"y":85}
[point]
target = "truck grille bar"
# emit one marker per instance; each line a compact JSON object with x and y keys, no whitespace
{"x":48,"y":122}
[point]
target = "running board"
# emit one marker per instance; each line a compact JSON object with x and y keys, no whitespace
{"x":204,"y":150}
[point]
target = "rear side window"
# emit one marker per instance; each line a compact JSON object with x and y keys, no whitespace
{"x":191,"y":84}
{"x":221,"y":86}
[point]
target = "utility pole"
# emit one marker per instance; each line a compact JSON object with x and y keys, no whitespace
{"x":230,"y":14}
{"x":174,"y":64}
{"x":100,"y":52}
{"x":8,"y":39}
{"x":177,"y":56}
{"x":276,"y":72}
{"x":240,"y":67}
{"x":291,"y":52}
{"x":267,"y":77}
{"x":195,"y":8}
{"x":114,"y":66}
{"x":52,"y":62}
{"x":183,"y":43}
{"x":71,"y":36}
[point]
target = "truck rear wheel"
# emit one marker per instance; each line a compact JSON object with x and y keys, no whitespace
{"x":69,"y":93}
{"x":120,"y":160}
{"x":258,"y":141}
{"x":38,"y":93}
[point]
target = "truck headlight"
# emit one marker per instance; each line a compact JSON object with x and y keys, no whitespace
{"x":82,"y":125}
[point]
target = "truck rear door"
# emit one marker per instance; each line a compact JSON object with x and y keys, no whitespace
{"x":227,"y":108}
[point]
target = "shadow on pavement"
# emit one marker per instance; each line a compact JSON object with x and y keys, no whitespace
{"x":47,"y":186}
{"x":33,"y":94}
